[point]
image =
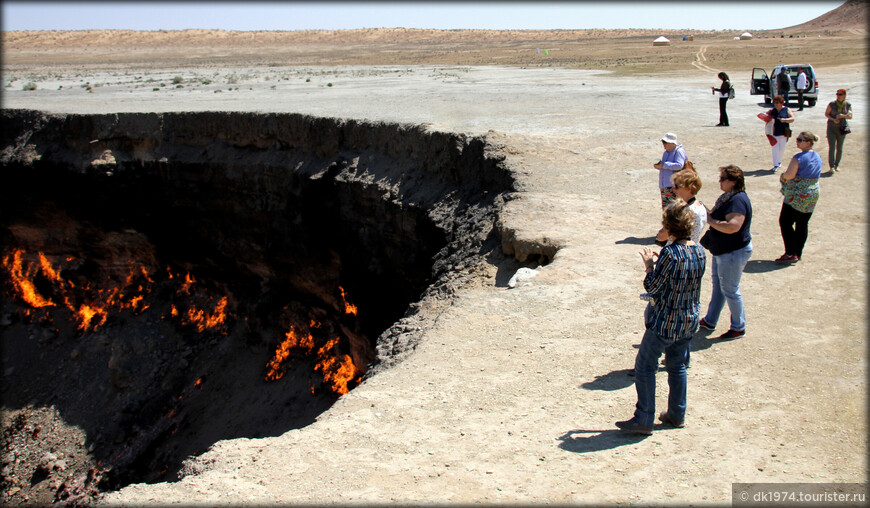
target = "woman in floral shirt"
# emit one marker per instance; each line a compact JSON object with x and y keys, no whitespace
{"x":800,"y":186}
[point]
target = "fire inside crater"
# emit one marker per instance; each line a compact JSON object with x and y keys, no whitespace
{"x":173,"y":280}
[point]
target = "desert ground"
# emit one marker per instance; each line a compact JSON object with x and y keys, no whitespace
{"x":512,"y":394}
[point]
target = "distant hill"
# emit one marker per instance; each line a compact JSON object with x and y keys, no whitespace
{"x":852,"y":15}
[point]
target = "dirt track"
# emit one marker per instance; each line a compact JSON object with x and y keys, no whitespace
{"x":512,"y":394}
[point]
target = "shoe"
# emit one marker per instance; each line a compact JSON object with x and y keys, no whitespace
{"x":836,"y":169}
{"x":733,"y":334}
{"x":705,"y":325}
{"x":787,"y":259}
{"x":632,"y":427}
{"x":664,"y":417}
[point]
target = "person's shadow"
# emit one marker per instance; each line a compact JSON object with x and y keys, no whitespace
{"x":616,"y":380}
{"x":633,"y":240}
{"x":701,"y":340}
{"x":760,"y":172}
{"x":585,"y":441}
{"x":762,"y":266}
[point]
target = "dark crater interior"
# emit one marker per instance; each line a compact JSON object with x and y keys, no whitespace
{"x":246,"y":269}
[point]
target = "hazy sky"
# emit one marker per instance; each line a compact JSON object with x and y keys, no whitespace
{"x":334,"y":15}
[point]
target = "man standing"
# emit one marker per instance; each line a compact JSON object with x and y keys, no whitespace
{"x":802,"y":83}
{"x":783,"y":84}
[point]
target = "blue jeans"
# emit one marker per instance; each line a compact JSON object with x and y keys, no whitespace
{"x":645,"y":366}
{"x":727,"y":271}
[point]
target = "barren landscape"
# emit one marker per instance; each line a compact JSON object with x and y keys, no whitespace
{"x":510,"y":394}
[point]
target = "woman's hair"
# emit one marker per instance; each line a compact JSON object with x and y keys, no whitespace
{"x":734,"y":174}
{"x":723,"y":76}
{"x":809,"y":136}
{"x":778,"y":98}
{"x":678,"y":219}
{"x":844,"y":92}
{"x":688,"y":180}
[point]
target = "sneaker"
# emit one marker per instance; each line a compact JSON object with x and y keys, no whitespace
{"x":773,"y":169}
{"x":733,"y":334}
{"x":705,"y":325}
{"x":787,"y":259}
{"x":632,"y":427}
{"x":664,"y":417}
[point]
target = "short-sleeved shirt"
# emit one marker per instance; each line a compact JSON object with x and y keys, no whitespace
{"x":723,"y":243}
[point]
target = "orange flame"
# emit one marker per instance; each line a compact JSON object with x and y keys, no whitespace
{"x":292,"y":339}
{"x":337,"y":373}
{"x":90,"y":307}
{"x":338,"y":370}
{"x":21,"y":279}
{"x":206,"y":321}
{"x":201,"y":311}
{"x":349,"y":308}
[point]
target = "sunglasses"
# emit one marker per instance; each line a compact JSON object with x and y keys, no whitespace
{"x":801,"y":140}
{"x":722,"y":178}
{"x":838,"y":93}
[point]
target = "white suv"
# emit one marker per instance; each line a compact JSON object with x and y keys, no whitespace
{"x":762,"y":84}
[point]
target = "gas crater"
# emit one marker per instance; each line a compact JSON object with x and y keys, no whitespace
{"x":172,"y":280}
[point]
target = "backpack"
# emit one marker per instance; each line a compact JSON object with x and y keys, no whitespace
{"x":731,"y":93}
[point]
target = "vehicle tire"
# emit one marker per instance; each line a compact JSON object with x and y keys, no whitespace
{"x":768,"y":99}
{"x":811,"y":102}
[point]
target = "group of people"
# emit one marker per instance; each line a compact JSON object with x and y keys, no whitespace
{"x":779,"y":118}
{"x":673,"y":274}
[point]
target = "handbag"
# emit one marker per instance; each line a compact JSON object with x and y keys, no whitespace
{"x":786,"y":130}
{"x":844,"y":128}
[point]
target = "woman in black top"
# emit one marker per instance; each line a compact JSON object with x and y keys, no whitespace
{"x":724,"y":91}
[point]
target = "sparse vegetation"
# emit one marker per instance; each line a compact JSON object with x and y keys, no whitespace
{"x":177,"y":79}
{"x":29,"y":86}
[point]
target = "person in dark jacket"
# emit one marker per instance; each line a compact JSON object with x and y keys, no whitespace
{"x":724,"y":94}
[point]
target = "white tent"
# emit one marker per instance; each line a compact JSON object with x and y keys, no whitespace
{"x":661,"y":41}
{"x":745,"y":36}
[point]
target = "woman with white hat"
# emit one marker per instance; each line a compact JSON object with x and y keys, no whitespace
{"x":673,"y":159}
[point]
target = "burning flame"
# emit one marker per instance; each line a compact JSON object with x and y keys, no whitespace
{"x":203,"y":313}
{"x":292,"y":339}
{"x":337,"y":369}
{"x":21,"y":275}
{"x":38,"y":281}
{"x":349,"y":308}
{"x":90,"y":306}
{"x":337,"y":373}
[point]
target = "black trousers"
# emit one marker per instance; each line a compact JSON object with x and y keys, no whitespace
{"x":794,"y":226}
{"x":723,"y":115}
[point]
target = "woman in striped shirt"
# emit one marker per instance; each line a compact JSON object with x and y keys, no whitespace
{"x":674,"y":282}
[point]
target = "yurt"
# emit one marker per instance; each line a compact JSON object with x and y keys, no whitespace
{"x":661,"y":41}
{"x":745,"y":36}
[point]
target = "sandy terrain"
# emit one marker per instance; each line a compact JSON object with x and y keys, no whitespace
{"x":512,"y":394}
